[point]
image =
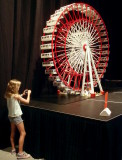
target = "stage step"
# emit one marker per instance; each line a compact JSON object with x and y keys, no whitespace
{"x":5,"y":154}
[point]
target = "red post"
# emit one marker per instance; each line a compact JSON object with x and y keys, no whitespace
{"x":106,"y":100}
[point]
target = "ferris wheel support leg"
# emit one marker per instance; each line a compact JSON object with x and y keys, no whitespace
{"x":90,"y":73}
{"x":90,"y":70}
{"x":84,"y":75}
{"x":98,"y":80}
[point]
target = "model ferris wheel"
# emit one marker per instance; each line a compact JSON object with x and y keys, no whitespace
{"x":75,"y":48}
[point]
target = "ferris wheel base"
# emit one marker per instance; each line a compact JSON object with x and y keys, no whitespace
{"x":93,"y":95}
{"x":102,"y":92}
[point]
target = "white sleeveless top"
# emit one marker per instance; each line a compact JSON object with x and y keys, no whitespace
{"x":14,"y":108}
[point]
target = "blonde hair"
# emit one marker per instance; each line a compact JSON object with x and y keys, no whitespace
{"x":12,"y":88}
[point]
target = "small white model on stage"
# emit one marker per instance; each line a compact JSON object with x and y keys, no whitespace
{"x":75,"y":45}
{"x":106,"y":111}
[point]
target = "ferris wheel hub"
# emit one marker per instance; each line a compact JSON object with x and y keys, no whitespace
{"x":84,"y":47}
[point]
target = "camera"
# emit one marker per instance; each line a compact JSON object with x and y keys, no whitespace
{"x":26,"y":91}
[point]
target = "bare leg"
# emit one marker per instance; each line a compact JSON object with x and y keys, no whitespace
{"x":22,"y":132}
{"x":13,"y":130}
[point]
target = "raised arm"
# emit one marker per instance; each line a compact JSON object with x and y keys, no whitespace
{"x":24,"y":100}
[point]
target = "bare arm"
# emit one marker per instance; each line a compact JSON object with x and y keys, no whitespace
{"x":24,"y":92}
{"x":24,"y":100}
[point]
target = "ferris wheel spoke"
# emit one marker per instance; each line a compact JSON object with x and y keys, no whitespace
{"x":65,"y":18}
{"x":74,"y":15}
{"x":73,"y":63}
{"x":78,"y":13}
{"x":62,"y":65}
{"x":79,"y":66}
{"x":62,"y":23}
{"x":64,"y":70}
{"x":77,"y":60}
{"x":95,"y":57}
{"x":48,"y":68}
{"x":67,"y":75}
{"x":94,"y":40}
{"x":48,"y":60}
{"x":71,"y":55}
{"x":61,"y":36}
{"x":62,"y":54}
{"x":59,"y":52}
{"x":60,"y":43}
{"x":59,"y":59}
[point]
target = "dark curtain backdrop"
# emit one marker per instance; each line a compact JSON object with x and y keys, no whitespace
{"x":21,"y":26}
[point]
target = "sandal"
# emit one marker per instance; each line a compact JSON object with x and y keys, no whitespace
{"x":23,"y":155}
{"x":13,"y":152}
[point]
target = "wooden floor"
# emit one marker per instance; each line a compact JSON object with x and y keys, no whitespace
{"x":6,"y":155}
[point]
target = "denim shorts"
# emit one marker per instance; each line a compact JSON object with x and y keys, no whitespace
{"x":15,"y":120}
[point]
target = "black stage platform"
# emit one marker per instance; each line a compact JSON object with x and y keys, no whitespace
{"x":81,"y":106}
{"x":71,"y":128}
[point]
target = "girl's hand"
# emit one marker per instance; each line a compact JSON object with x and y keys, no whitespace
{"x":29,"y":91}
{"x":25,"y":92}
{"x":23,"y":100}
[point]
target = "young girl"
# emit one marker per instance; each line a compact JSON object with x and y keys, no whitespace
{"x":14,"y":113}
